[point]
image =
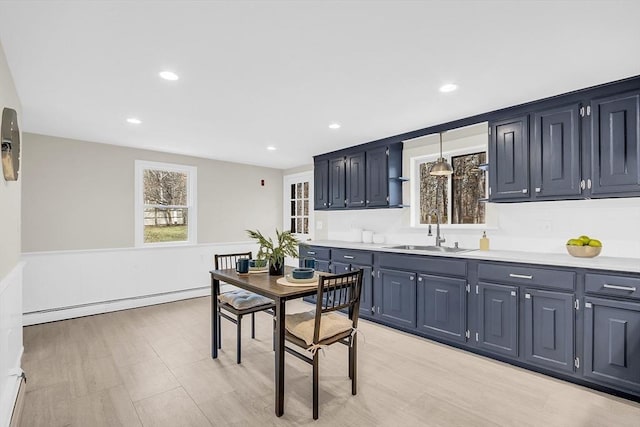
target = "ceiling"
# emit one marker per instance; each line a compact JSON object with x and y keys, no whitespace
{"x":260,"y":73}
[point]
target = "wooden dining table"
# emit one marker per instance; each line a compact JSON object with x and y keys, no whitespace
{"x":263,"y":284}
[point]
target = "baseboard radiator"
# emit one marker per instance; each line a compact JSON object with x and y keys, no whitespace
{"x":98,"y":307}
{"x":16,"y":415}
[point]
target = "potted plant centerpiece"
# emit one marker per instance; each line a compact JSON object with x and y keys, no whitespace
{"x":274,"y":252}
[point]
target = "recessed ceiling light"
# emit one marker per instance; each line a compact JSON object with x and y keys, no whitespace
{"x":169,"y":75}
{"x":334,"y":126}
{"x":449,"y":87}
{"x":134,"y":121}
{"x":271,"y":148}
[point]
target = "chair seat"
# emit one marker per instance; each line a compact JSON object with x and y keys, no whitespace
{"x":241,"y":299}
{"x":302,"y":325}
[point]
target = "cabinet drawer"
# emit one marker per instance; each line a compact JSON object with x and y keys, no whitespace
{"x":608,"y":284}
{"x":317,"y":252}
{"x":557,"y":279}
{"x":351,"y":256}
{"x":426,"y":264}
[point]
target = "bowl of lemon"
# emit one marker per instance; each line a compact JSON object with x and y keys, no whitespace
{"x":584,"y":247}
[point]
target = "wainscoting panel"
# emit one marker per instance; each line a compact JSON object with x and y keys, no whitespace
{"x":10,"y":341}
{"x":67,"y":284}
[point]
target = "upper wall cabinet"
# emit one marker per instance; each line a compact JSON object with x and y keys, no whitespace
{"x":337,"y":187}
{"x":587,"y":148}
{"x":321,"y":184}
{"x":615,"y":145}
{"x":362,"y":177}
{"x":509,"y":159}
{"x":555,"y":152}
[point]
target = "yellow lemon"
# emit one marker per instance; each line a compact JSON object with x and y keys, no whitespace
{"x":575,"y":242}
{"x":585,"y":239}
{"x":595,"y":243}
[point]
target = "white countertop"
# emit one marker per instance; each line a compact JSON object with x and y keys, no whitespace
{"x":631,"y":265}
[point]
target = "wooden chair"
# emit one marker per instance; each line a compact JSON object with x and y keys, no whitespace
{"x":238,"y":302}
{"x":322,"y":327}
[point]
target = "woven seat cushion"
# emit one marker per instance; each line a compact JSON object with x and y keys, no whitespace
{"x":241,"y":299}
{"x":302,"y":325}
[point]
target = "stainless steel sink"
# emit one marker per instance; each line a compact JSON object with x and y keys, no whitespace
{"x":429,"y":248}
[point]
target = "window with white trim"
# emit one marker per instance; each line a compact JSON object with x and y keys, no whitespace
{"x":457,"y":199}
{"x":165,"y":203}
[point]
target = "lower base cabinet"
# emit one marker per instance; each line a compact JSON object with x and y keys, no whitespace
{"x":442,"y":306}
{"x":498,"y":318}
{"x":612,"y":343}
{"x":524,"y":314}
{"x":395,"y":294}
{"x":366,"y":295}
{"x":549,"y":329}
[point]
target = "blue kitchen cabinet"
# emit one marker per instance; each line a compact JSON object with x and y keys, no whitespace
{"x":368,"y":176}
{"x":355,"y":180}
{"x":498,"y":318}
{"x":555,"y":157}
{"x":344,"y":260}
{"x":615,"y":145}
{"x":337,"y":194}
{"x":395,"y":296}
{"x":442,"y":306}
{"x":525,"y":314}
{"x":377,"y":177}
{"x":321,"y":184}
{"x":612,"y":342}
{"x":366,"y":295}
{"x":322,"y":256}
{"x":509,"y":159}
{"x":549,"y":329}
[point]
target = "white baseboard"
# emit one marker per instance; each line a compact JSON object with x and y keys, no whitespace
{"x":63,"y":313}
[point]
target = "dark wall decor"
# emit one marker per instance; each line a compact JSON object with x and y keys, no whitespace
{"x":10,"y":135}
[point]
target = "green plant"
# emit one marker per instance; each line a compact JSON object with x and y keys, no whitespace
{"x":275,"y":251}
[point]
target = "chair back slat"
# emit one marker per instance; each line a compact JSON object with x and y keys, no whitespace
{"x":336,"y":293}
{"x":228,"y":261}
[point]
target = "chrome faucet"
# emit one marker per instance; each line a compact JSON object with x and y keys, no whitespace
{"x":439,"y":239}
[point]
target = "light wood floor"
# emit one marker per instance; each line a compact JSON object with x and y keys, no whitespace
{"x":152,"y":367}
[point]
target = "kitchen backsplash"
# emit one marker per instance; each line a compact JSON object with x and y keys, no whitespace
{"x":535,"y":227}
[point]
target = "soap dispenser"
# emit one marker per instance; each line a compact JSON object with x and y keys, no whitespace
{"x":484,"y":242}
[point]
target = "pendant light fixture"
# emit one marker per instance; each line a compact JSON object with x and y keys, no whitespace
{"x":441,"y":168}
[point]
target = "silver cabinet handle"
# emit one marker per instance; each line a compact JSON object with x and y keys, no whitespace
{"x":349,"y":257}
{"x":410,"y":277}
{"x":311,"y":253}
{"x":525,"y":191}
{"x":419,"y":279}
{"x":582,"y":185}
{"x":520,"y":276}
{"x":589,"y":183}
{"x":538,"y":189}
{"x":620,"y":288}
